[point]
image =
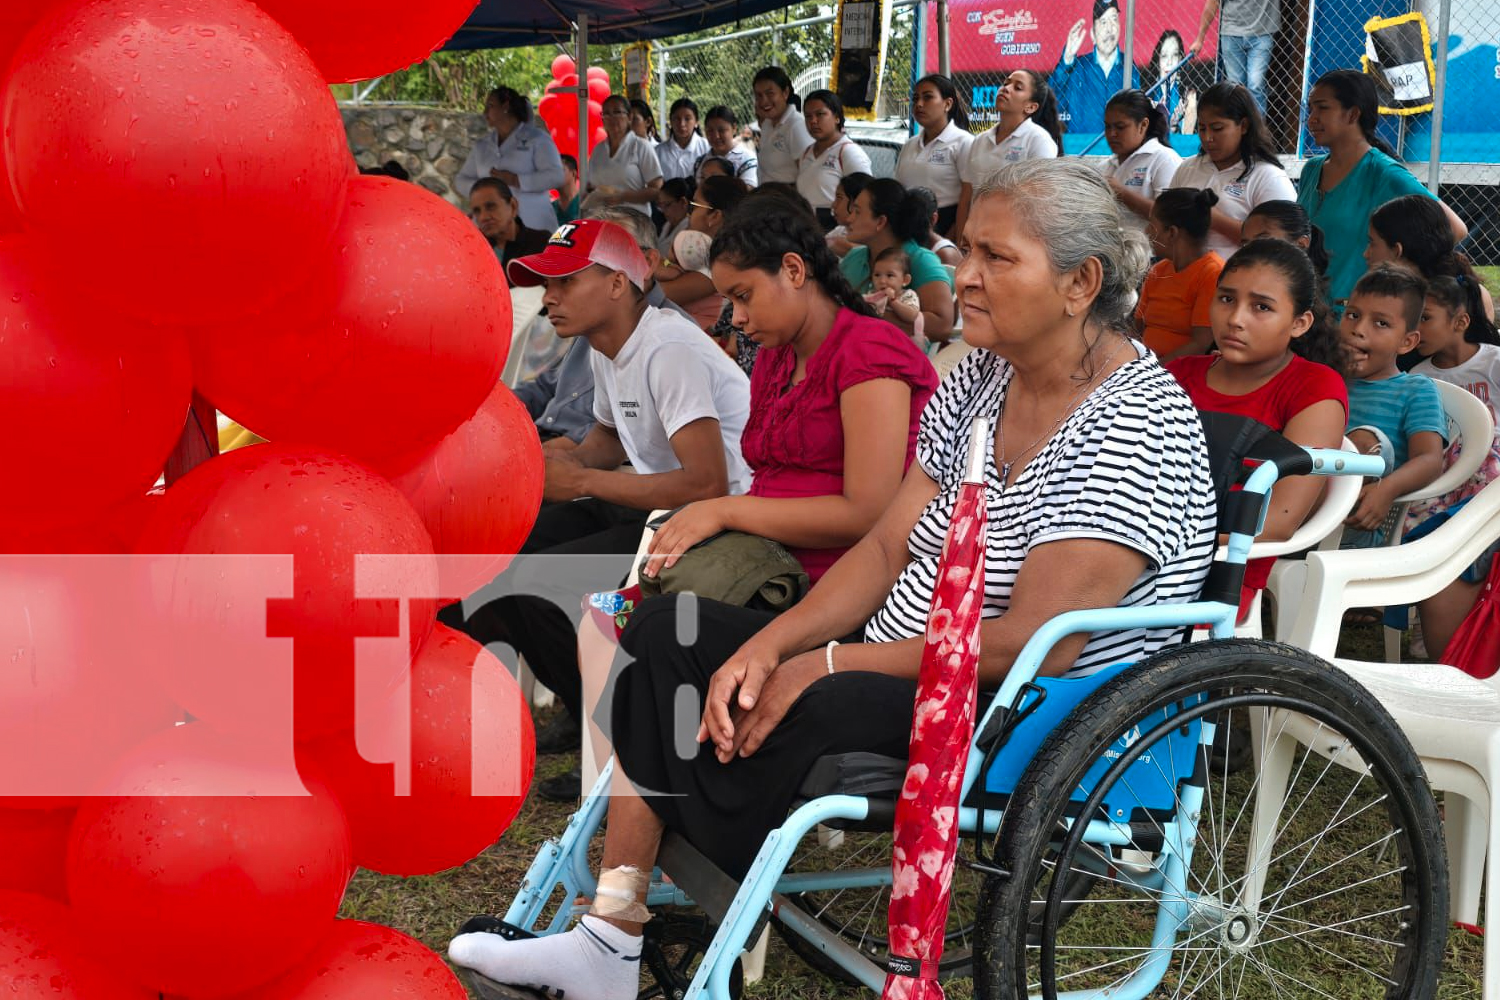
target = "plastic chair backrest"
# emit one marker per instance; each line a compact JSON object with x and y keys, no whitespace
{"x":1469,"y":421}
{"x":1325,"y":525}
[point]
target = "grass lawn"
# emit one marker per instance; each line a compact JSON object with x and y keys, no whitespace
{"x":1491,"y":277}
{"x":431,"y":908}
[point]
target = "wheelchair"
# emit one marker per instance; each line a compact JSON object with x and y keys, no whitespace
{"x":1230,"y":817}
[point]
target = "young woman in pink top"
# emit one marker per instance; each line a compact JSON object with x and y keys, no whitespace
{"x":835,"y":395}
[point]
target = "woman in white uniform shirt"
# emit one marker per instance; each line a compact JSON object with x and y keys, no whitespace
{"x":783,"y":132}
{"x":683,"y":147}
{"x":623,"y":169}
{"x":1238,"y":163}
{"x":932,"y":158}
{"x":832,"y":154}
{"x":518,"y":153}
{"x":1143,"y":162}
{"x":1028,"y":129}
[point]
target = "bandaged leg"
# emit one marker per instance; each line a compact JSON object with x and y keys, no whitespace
{"x":595,"y":960}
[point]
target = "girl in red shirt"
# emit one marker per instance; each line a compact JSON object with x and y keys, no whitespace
{"x":1279,"y":363}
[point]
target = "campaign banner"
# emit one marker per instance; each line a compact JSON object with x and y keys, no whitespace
{"x":1078,"y":45}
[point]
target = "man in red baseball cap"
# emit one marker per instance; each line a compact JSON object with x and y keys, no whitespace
{"x":666,"y":398}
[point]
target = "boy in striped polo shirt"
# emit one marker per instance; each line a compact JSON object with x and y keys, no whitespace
{"x":1391,"y":413}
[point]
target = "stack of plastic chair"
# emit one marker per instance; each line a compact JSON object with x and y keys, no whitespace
{"x":1469,"y":421}
{"x":1452,"y":719}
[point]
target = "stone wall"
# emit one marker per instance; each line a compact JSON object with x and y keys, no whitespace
{"x":431,"y":143}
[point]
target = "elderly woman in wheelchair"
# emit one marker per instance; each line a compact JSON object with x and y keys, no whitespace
{"x":1088,"y":781}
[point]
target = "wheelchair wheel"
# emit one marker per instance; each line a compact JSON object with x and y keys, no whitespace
{"x":672,"y":948}
{"x":1317,"y":870}
{"x":859,"y":913}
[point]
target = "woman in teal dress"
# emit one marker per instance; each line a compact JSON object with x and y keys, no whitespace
{"x":1357,"y":176}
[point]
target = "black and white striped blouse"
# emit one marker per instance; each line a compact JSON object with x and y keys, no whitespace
{"x":1128,"y":465}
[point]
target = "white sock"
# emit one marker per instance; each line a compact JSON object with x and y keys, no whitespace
{"x":594,"y":961}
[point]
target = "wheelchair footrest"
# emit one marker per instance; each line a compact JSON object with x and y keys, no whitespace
{"x":487,"y":989}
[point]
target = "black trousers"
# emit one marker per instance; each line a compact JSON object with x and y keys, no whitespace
{"x":726,"y":810}
{"x":537,"y":627}
{"x":946,"y":217}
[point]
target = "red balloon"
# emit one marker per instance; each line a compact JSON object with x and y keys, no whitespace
{"x":72,"y":699}
{"x":362,"y":39}
{"x":479,"y":489}
{"x":359,"y":961}
{"x":598,"y":89}
{"x":598,"y":73}
{"x":568,"y":81}
{"x":471,"y":754}
{"x":562,"y":66}
{"x":324,"y":511}
{"x":44,"y":957}
{"x":16,"y":19}
{"x":393,"y":342}
{"x":204,"y":127}
{"x":551,"y":109}
{"x":36,"y":843}
{"x":90,"y":405}
{"x":206,"y":890}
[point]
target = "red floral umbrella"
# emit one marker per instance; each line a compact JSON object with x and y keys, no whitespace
{"x":926,"y":835}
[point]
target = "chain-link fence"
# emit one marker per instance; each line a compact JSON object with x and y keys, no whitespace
{"x":1276,"y":47}
{"x":718,"y":69}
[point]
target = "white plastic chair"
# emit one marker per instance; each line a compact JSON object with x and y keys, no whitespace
{"x":1452,"y":720}
{"x":1469,"y":420}
{"x":1322,"y":530}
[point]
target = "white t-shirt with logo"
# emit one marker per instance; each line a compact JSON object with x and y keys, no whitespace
{"x":630,"y":169}
{"x":1237,"y":195}
{"x":666,"y":376}
{"x":782,"y":143}
{"x":1028,"y":142}
{"x":676,"y":161}
{"x":1146,"y":172}
{"x":935,"y":165}
{"x":818,"y":175}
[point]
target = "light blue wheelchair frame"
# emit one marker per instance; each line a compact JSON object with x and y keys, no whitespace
{"x":563,"y":862}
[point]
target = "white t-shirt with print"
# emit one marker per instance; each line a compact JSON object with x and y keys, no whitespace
{"x":818,"y":175}
{"x":666,"y":376}
{"x":630,"y":169}
{"x":1479,"y":377}
{"x":1237,"y":195}
{"x":935,"y":165}
{"x":676,"y":161}
{"x":1028,"y":142}
{"x":782,"y":143}
{"x":1146,"y":172}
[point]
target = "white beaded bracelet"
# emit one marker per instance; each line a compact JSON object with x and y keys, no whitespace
{"x":828,"y":655}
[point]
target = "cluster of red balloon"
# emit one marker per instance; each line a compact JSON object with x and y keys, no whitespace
{"x":180,"y":212}
{"x":559,"y":106}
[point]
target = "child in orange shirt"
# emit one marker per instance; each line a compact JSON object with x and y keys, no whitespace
{"x":1172,"y":316}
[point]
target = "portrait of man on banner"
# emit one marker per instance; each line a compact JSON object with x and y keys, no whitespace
{"x":1085,"y":81}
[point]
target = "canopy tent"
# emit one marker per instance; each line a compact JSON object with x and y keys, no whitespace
{"x":501,"y":24}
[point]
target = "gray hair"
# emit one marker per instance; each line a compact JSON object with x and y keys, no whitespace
{"x":637,"y":224}
{"x":1069,"y":207}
